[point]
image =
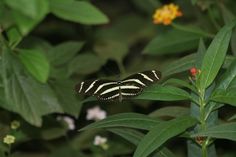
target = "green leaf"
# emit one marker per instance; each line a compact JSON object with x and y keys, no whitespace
{"x":78,"y":11}
{"x":172,"y":111}
{"x":111,"y":49}
{"x":30,"y":15}
{"x":179,"y":65}
{"x":225,"y":96}
{"x":174,"y":41}
{"x":85,"y":63}
{"x":162,"y":132}
{"x":33,"y":9}
{"x":227,"y":77}
{"x":215,"y":56}
{"x":36,"y":63}
{"x":130,"y":120}
{"x":180,"y":83}
{"x":24,"y":95}
{"x":135,"y":137}
{"x":192,"y":29}
{"x":64,"y":52}
{"x":187,"y":62}
{"x":223,"y":131}
{"x":14,"y":36}
{"x":130,"y":135}
{"x":67,"y":97}
{"x":164,"y":93}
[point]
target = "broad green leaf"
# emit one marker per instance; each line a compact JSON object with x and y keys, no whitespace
{"x":34,"y":8}
{"x":135,"y":137}
{"x":36,"y":63}
{"x":78,"y":11}
{"x":14,"y":36}
{"x":172,"y":111}
{"x":180,"y":83}
{"x":86,"y":63}
{"x":162,"y":132}
{"x":27,"y":23}
{"x":225,"y":96}
{"x":130,"y":120}
{"x":164,"y":93}
{"x":111,"y":49}
{"x":179,"y":65}
{"x":24,"y":95}
{"x":64,"y":52}
{"x":228,"y":77}
{"x":222,"y":131}
{"x":67,"y":97}
{"x":215,"y":56}
{"x":174,"y":41}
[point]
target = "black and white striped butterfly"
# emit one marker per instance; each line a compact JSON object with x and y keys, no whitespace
{"x":118,"y":90}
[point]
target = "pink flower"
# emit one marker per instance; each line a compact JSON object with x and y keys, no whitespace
{"x":96,"y":113}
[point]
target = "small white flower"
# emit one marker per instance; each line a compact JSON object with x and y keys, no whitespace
{"x":96,"y":113}
{"x":99,"y":140}
{"x":69,"y":121}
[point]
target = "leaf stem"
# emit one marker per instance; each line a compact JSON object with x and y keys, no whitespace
{"x":203,"y":120}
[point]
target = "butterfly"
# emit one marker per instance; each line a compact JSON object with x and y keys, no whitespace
{"x":127,"y":88}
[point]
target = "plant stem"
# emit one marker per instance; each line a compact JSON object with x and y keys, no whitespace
{"x":204,"y":150}
{"x":202,"y":120}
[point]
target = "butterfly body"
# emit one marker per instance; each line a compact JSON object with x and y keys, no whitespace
{"x":118,"y":90}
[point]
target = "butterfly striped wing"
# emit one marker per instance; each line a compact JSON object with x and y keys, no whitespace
{"x":112,"y":90}
{"x":102,"y":89}
{"x":134,"y":84}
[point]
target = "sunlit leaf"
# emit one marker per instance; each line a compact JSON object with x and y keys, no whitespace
{"x":78,"y":11}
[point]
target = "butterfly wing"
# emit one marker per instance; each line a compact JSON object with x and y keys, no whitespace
{"x":102,"y":89}
{"x":111,"y":90}
{"x":134,"y":84}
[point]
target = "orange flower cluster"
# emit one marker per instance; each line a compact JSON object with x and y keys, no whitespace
{"x":166,"y":14}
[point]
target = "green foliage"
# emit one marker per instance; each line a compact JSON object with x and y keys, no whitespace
{"x":153,"y":140}
{"x":77,"y":11}
{"x":48,"y":46}
{"x":223,"y":131}
{"x":36,"y":63}
{"x":131,"y":120}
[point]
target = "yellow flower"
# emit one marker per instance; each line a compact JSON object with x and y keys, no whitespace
{"x":9,"y":139}
{"x":15,"y":124}
{"x":166,"y":14}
